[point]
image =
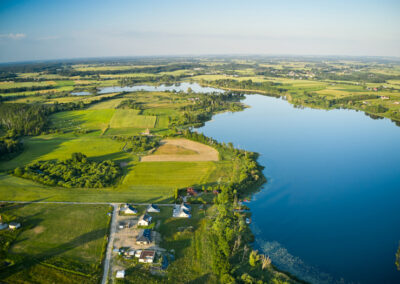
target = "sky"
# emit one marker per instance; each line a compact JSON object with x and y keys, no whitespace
{"x":40,"y":29}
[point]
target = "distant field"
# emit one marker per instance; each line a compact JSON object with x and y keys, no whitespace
{"x":91,"y":119}
{"x":109,"y":104}
{"x":219,"y":77}
{"x":129,"y":118}
{"x":57,"y":243}
{"x":7,"y":85}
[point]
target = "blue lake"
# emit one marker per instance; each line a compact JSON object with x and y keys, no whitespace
{"x":161,"y":88}
{"x":330,"y":209}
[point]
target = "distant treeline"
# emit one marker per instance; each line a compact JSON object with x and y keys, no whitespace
{"x":130,"y":81}
{"x":356,"y":77}
{"x":26,"y":89}
{"x":150,"y":69}
{"x":205,"y":105}
{"x":271,"y":88}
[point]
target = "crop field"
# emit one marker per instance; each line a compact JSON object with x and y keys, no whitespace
{"x":124,"y":118}
{"x":58,"y":243}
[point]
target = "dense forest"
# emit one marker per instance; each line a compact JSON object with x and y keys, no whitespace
{"x":8,"y":147}
{"x":78,"y":171}
{"x":23,"y":119}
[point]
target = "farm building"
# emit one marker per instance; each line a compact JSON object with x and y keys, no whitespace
{"x":153,"y":208}
{"x":128,"y":209}
{"x":144,"y":237}
{"x":147,"y":256}
{"x":144,"y":220}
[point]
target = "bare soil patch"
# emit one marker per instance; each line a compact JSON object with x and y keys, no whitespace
{"x":182,"y":150}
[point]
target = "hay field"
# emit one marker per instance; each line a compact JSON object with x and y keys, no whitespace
{"x":182,"y":150}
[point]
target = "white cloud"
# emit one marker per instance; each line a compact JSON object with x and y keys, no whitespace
{"x":13,"y":35}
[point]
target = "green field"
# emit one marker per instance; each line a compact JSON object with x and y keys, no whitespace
{"x":169,"y":175}
{"x":48,"y":147}
{"x":90,"y":119}
{"x":58,"y":243}
{"x":124,"y":118}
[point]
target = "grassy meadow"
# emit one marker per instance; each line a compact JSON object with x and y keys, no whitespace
{"x":57,"y":243}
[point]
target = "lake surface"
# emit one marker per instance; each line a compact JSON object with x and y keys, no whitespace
{"x":81,"y":93}
{"x":330,"y":209}
{"x":161,"y":88}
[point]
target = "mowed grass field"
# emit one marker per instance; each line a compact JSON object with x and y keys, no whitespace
{"x":58,"y":243}
{"x":124,"y":118}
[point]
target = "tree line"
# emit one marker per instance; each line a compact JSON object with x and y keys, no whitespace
{"x":25,"y":89}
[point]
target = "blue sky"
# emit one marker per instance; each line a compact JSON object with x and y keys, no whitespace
{"x":32,"y":30}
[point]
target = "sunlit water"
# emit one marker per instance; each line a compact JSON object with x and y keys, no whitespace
{"x":330,"y":209}
{"x":161,"y":88}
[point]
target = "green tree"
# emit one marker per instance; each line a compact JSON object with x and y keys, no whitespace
{"x":254,"y":257}
{"x":176,"y":193}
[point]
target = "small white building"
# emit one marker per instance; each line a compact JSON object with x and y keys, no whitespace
{"x":129,"y":210}
{"x":120,"y":274}
{"x":14,"y":225}
{"x":181,"y":211}
{"x":138,"y":253}
{"x":144,"y":220}
{"x":153,"y":208}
